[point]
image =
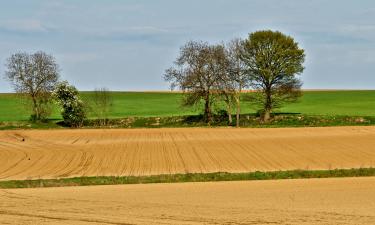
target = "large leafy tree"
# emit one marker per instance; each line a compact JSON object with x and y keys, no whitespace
{"x":35,"y":77}
{"x":273,"y":60}
{"x":197,"y":72}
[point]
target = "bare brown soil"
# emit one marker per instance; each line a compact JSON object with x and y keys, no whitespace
{"x":344,"y":201}
{"x":33,"y":154}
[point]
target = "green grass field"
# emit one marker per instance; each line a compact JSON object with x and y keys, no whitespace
{"x":145,"y":104}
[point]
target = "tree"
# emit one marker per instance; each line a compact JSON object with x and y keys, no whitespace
{"x":73,"y":110}
{"x":227,"y":94}
{"x":272,"y":62}
{"x":196,"y":73}
{"x":102,"y":103}
{"x":35,"y":77}
{"x":236,"y":79}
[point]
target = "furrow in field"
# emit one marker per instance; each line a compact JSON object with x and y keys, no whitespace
{"x":136,"y":152}
{"x":329,"y":201}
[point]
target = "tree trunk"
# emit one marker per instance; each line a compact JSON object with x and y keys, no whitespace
{"x":229,"y":109}
{"x":238,"y":111}
{"x":35,"y":108}
{"x":207,"y":109}
{"x":266,"y":115}
{"x":268,"y":107}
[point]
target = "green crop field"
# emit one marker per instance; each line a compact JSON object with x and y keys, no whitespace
{"x":144,"y":104}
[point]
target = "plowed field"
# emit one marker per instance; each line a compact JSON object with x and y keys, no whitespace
{"x":344,"y":201}
{"x":33,"y":154}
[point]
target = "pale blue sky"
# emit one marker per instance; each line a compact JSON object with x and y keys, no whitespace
{"x":127,"y":45}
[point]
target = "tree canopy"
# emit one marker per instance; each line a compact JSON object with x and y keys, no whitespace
{"x":272,"y":61}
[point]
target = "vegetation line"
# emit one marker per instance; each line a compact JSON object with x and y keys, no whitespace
{"x":190,"y":177}
{"x":246,"y":120}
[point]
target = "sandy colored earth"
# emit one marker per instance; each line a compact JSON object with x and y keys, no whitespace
{"x":32,"y":154}
{"x":330,"y":201}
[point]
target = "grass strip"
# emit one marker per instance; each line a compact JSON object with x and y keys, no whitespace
{"x":189,"y":177}
{"x":247,"y":120}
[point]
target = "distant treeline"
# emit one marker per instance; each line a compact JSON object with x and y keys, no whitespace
{"x":267,"y":62}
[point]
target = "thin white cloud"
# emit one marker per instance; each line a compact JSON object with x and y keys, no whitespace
{"x":23,"y":25}
{"x":77,"y":57}
{"x":130,"y":33}
{"x":359,"y":29}
{"x":147,"y":29}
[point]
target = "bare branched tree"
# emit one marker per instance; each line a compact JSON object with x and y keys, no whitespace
{"x":197,"y":71}
{"x":35,"y":77}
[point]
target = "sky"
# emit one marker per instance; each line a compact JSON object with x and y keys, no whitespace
{"x":127,"y":45}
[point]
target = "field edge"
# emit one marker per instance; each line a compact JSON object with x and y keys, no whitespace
{"x":189,"y":177}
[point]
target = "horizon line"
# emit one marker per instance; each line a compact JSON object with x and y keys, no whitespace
{"x":243,"y":91}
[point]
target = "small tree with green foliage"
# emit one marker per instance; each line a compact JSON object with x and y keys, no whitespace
{"x":272,"y":61}
{"x":73,"y":110}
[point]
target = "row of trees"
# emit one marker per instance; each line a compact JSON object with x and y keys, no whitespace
{"x":267,"y":62}
{"x":36,"y":78}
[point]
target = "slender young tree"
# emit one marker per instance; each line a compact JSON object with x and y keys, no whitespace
{"x":101,"y":104}
{"x":196,"y":73}
{"x":273,"y":60}
{"x":34,"y":76}
{"x":228,"y":97}
{"x":237,"y":79}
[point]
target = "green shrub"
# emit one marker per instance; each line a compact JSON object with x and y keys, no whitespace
{"x":73,"y":110}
